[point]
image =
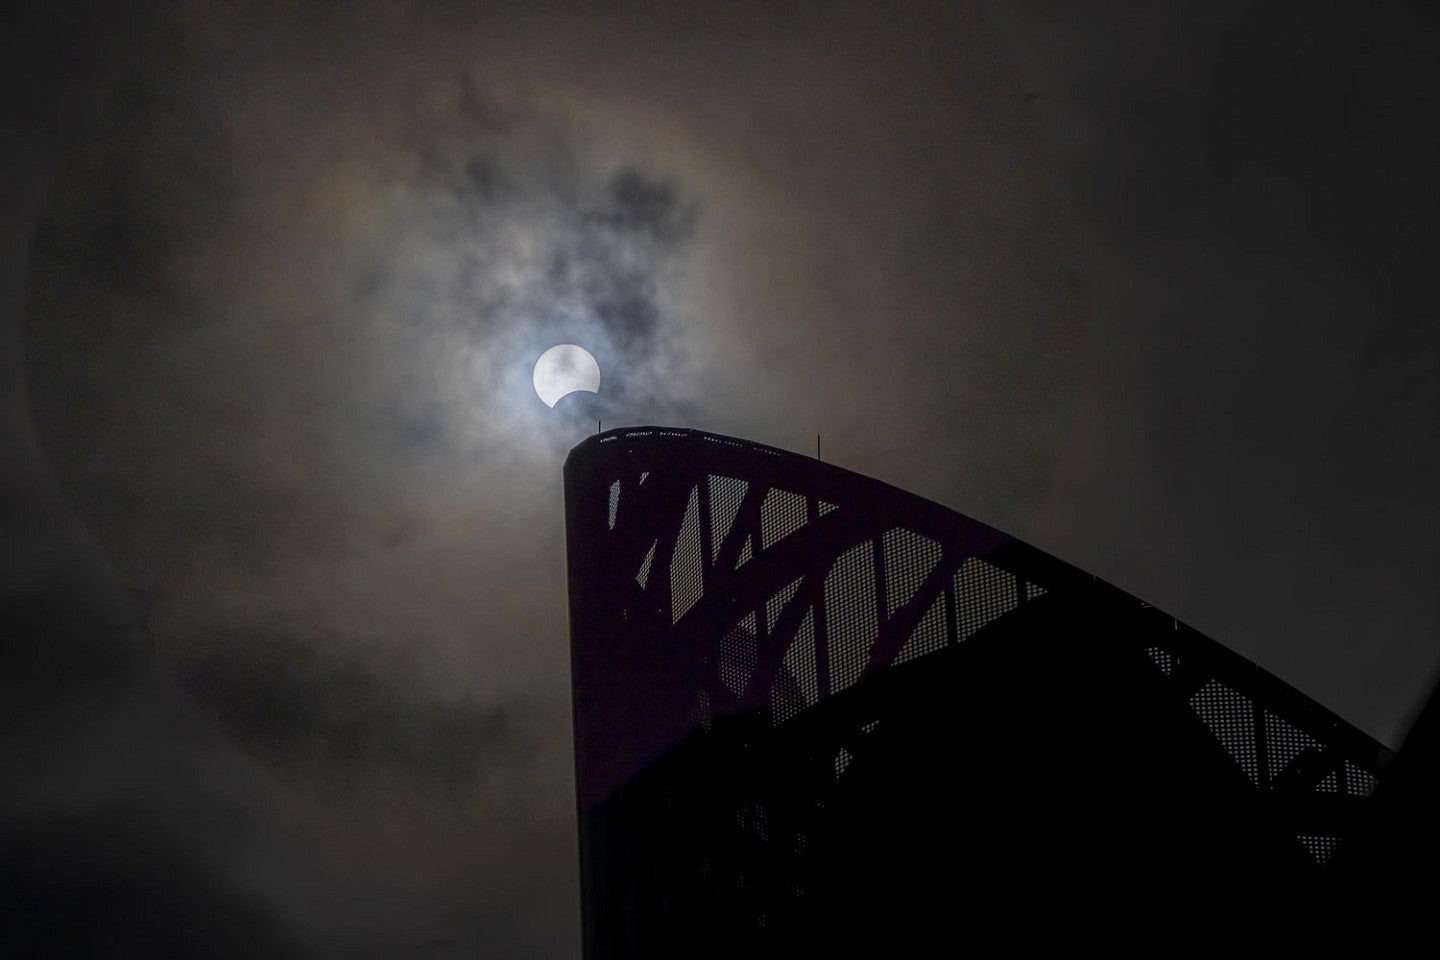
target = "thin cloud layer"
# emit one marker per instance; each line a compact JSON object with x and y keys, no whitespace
{"x":282,"y":313}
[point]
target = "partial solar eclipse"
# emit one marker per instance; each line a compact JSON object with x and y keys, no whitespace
{"x":564,"y":369}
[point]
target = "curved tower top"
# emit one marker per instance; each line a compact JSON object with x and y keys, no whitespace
{"x":738,"y":607}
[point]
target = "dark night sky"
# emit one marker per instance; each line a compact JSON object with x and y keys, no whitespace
{"x":283,"y":570}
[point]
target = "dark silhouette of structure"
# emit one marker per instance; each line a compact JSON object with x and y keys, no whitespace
{"x":814,"y":713}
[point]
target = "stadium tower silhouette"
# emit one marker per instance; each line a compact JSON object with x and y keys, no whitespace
{"x":817,"y":714}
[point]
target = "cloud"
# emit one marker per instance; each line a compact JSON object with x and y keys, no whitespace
{"x":356,"y":732}
{"x":283,"y":312}
{"x":113,"y":884}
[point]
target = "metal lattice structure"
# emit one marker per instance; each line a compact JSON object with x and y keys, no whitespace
{"x":772,"y":655}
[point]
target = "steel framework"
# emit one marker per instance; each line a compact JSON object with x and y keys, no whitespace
{"x":776,"y":661}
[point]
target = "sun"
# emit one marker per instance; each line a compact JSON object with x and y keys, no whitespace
{"x":563,"y":370}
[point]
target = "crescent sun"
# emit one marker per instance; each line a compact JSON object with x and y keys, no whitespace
{"x":564,"y":369}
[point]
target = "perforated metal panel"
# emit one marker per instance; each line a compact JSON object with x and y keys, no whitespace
{"x":1323,"y":849}
{"x":753,"y":820}
{"x":1358,"y":782}
{"x":1230,"y":715}
{"x":726,"y":495}
{"x":614,"y":502}
{"x":798,"y":667}
{"x":983,"y":593}
{"x":909,"y":558}
{"x":686,"y":578}
{"x":781,"y":514}
{"x":850,"y":613}
{"x":642,"y":576}
{"x":786,"y":699}
{"x":928,"y":635}
{"x":737,"y":655}
{"x":1284,"y":741}
{"x":1162,"y":658}
{"x":778,"y":600}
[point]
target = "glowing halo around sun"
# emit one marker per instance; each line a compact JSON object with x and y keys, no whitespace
{"x":564,"y":369}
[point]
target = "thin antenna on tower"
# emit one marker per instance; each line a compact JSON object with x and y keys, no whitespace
{"x":599,"y":426}
{"x":817,"y":446}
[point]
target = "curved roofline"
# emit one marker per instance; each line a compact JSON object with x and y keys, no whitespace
{"x":698,"y":452}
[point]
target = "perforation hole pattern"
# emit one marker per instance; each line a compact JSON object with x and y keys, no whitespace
{"x":726,"y":494}
{"x":686,"y":578}
{"x":776,"y":604}
{"x":1330,"y":783}
{"x":827,"y":507}
{"x":909,"y":558}
{"x":842,"y":762}
{"x":781,"y":514}
{"x":1163,"y":659}
{"x":753,"y":820}
{"x":737,"y":655}
{"x":983,"y":593}
{"x":850,"y":613}
{"x":642,"y":576}
{"x":1033,"y":590}
{"x":1229,"y":716}
{"x":786,"y":700}
{"x":745,"y":552}
{"x":1358,"y":782}
{"x":1323,"y":849}
{"x":798,"y":665}
{"x":1283,"y":742}
{"x":614,"y":502}
{"x":928,"y":635}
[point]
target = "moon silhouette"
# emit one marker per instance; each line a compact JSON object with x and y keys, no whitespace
{"x":564,"y":369}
